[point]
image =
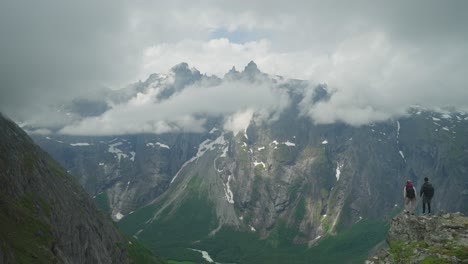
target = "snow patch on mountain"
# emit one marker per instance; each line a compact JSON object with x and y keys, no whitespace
{"x":446,"y":116}
{"x":398,"y":130}
{"x":228,"y":191}
{"x":276,"y":143}
{"x":338,"y":171}
{"x":202,"y":149}
{"x":116,"y":151}
{"x":225,"y":151}
{"x":259,"y":163}
{"x":159,"y":144}
{"x":118,"y":216}
{"x":402,"y":155}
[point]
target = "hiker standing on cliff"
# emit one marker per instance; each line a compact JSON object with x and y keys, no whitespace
{"x":409,"y":192}
{"x":427,"y":191}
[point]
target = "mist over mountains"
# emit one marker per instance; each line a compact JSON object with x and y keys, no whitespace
{"x":184,"y":99}
{"x":165,"y":159}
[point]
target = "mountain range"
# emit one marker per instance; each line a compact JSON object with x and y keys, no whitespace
{"x":266,"y":185}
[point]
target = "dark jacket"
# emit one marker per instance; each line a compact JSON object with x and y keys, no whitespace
{"x":427,"y":189}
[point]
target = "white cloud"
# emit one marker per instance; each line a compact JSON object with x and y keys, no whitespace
{"x":377,"y":57}
{"x":238,"y":122}
{"x":373,"y":78}
{"x":40,"y":131}
{"x":185,"y":111}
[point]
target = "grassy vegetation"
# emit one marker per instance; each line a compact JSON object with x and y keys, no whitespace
{"x":189,"y":228}
{"x":32,"y":242}
{"x":435,"y":260}
{"x":174,"y":231}
{"x":29,"y":162}
{"x":102,"y":202}
{"x":451,"y":250}
{"x":242,"y":153}
{"x":300,"y":211}
{"x":401,"y":252}
{"x":345,"y":214}
{"x":350,"y":246}
{"x":284,"y":155}
{"x":141,"y":255}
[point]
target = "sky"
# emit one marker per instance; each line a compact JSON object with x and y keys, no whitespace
{"x":379,"y":57}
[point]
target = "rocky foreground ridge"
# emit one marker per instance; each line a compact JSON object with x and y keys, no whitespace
{"x":45,"y":215}
{"x":434,"y":239}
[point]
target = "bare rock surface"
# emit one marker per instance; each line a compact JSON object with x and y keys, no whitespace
{"x":441,"y":238}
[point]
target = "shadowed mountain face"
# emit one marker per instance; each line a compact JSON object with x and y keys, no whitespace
{"x":282,"y":179}
{"x":45,"y":215}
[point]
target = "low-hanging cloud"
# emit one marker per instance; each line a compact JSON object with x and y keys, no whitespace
{"x":185,"y":111}
{"x":384,"y":79}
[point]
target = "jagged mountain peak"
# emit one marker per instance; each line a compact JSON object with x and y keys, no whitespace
{"x":250,"y":72}
{"x":251,"y":68}
{"x":184,"y":69}
{"x":232,"y":74}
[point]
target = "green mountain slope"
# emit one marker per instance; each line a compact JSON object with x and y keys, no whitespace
{"x":46,"y":217}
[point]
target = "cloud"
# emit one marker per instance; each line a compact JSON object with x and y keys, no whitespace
{"x":238,"y":122}
{"x":217,"y":56}
{"x":185,"y":111}
{"x":377,"y":57}
{"x":384,"y":79}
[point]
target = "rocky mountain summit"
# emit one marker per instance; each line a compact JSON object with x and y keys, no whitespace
{"x":441,"y":238}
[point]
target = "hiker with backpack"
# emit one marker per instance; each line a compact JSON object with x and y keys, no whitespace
{"x":409,"y":192}
{"x":427,"y":192}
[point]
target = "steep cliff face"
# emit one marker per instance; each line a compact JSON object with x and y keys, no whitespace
{"x":46,"y":217}
{"x":125,"y":172}
{"x":434,"y":239}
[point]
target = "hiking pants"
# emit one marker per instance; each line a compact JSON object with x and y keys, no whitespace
{"x":410,"y":204}
{"x":427,"y":200}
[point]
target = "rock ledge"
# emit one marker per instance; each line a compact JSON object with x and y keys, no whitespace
{"x":435,"y":239}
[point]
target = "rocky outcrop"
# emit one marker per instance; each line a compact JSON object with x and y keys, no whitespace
{"x":441,"y":238}
{"x":45,"y":215}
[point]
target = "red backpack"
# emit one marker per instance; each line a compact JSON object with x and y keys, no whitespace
{"x":410,"y":191}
